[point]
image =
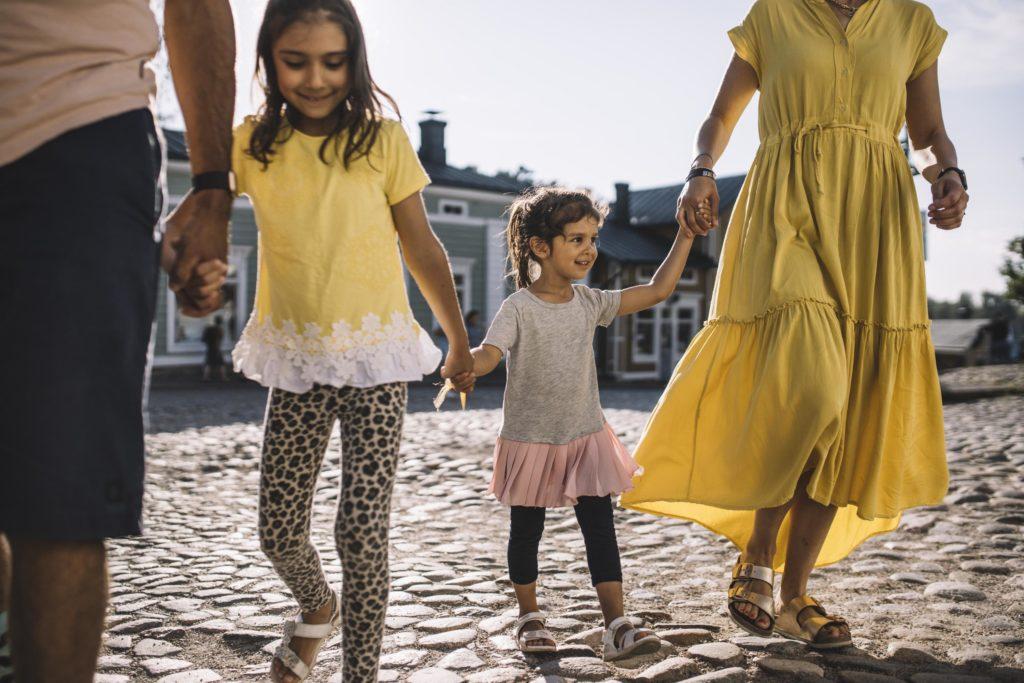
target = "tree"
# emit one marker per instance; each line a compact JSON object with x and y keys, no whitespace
{"x":965,"y":306}
{"x":1013,"y":269}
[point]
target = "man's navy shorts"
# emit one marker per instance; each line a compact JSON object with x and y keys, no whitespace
{"x":79,"y":259}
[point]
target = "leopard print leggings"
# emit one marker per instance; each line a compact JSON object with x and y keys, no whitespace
{"x":296,"y":432}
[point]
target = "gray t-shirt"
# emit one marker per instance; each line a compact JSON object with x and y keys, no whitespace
{"x":551,"y":393}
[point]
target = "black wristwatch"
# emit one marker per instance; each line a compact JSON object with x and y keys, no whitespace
{"x":700,"y":173}
{"x":954,"y":169}
{"x":214,"y":180}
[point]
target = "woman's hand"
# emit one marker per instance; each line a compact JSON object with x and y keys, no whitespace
{"x":458,"y":367}
{"x":950,"y":202}
{"x":697,"y":207}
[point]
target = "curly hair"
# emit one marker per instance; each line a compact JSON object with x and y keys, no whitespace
{"x":544,"y":212}
{"x":362,"y":110}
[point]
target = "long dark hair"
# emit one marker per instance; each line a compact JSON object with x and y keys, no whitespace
{"x":362,"y":110}
{"x":544,"y":212}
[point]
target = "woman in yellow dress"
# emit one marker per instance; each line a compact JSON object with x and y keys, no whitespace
{"x":806,"y":414}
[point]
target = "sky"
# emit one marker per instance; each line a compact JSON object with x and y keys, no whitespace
{"x":594,"y":92}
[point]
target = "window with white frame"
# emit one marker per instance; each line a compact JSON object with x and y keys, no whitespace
{"x":453,"y":207}
{"x":644,"y":329}
{"x":686,"y":326}
{"x":185,"y":334}
{"x":462,"y":274}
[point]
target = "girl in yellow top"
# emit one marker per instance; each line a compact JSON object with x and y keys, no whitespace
{"x":335,"y":187}
{"x":806,"y":415}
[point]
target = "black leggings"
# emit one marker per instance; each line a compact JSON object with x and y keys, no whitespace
{"x":594,"y":515}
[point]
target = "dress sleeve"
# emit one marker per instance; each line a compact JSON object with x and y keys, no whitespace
{"x":504,"y":330}
{"x":404,"y":175}
{"x":746,"y":39}
{"x":931,"y":37}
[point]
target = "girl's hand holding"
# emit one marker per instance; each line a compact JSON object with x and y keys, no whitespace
{"x":949,"y":207}
{"x":458,"y":367}
{"x":697,"y":207}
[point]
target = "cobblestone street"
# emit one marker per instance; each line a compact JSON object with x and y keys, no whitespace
{"x":941,"y":599}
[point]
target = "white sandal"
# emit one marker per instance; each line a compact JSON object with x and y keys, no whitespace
{"x":296,"y":628}
{"x":631,"y":645}
{"x":524,"y":637}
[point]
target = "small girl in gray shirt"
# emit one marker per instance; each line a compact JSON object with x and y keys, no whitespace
{"x":555,"y":448}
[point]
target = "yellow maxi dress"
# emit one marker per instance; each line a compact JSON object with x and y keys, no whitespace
{"x":817,"y":353}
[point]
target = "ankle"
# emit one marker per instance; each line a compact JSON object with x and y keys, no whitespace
{"x":760,"y":555}
{"x":787,"y":593}
{"x":323,"y":612}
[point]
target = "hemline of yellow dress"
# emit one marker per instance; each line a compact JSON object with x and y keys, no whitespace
{"x":718,"y":485}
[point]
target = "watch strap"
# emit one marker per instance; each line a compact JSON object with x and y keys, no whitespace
{"x":214,"y":180}
{"x":958,"y":171}
{"x":700,"y":173}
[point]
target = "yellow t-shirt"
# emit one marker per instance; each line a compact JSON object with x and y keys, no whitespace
{"x":331,"y":305}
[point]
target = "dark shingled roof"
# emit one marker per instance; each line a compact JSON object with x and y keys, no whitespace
{"x":444,"y":175}
{"x":657,"y":205}
{"x":441,"y":175}
{"x":652,"y":208}
{"x":629,"y":245}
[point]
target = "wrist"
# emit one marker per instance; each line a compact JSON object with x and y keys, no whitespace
{"x":700,"y":172}
{"x":952,"y":172}
{"x":703,"y":159}
{"x":458,"y":346}
{"x":213,"y":199}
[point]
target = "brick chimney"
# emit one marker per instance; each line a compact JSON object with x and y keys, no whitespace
{"x":621,"y":213}
{"x":432,"y":140}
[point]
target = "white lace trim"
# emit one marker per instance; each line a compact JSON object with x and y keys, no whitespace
{"x":281,"y":357}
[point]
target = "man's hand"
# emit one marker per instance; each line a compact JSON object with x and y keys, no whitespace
{"x":195,"y":250}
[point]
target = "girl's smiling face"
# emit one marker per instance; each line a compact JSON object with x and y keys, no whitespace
{"x":311,"y":59}
{"x":572,"y":254}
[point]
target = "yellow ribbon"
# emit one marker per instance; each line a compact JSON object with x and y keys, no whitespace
{"x":815,"y":130}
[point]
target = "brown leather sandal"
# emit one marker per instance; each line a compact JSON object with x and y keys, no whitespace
{"x":739,"y":592}
{"x":788,"y":624}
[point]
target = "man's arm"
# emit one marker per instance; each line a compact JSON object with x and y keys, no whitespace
{"x":200,"y":36}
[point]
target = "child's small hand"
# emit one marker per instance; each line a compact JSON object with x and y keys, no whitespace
{"x":463,"y":382}
{"x":458,"y":368}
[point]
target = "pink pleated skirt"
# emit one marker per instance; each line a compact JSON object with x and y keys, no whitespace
{"x":556,"y":475}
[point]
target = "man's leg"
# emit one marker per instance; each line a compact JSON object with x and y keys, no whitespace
{"x":78,"y":285}
{"x":58,"y":599}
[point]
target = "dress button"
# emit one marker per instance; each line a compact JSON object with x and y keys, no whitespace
{"x":842,"y":107}
{"x":845,"y":71}
{"x":844,"y":42}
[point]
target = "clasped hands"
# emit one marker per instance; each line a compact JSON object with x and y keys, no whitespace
{"x":194,"y":252}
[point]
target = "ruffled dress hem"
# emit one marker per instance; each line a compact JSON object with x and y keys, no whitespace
{"x":556,"y":475}
{"x":296,"y":362}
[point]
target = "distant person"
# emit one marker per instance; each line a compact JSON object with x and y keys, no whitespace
{"x":81,"y":198}
{"x":1002,"y":343}
{"x":556,"y":449}
{"x":334,"y":182}
{"x":806,"y":415}
{"x":474,"y":328}
{"x":213,"y":337}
